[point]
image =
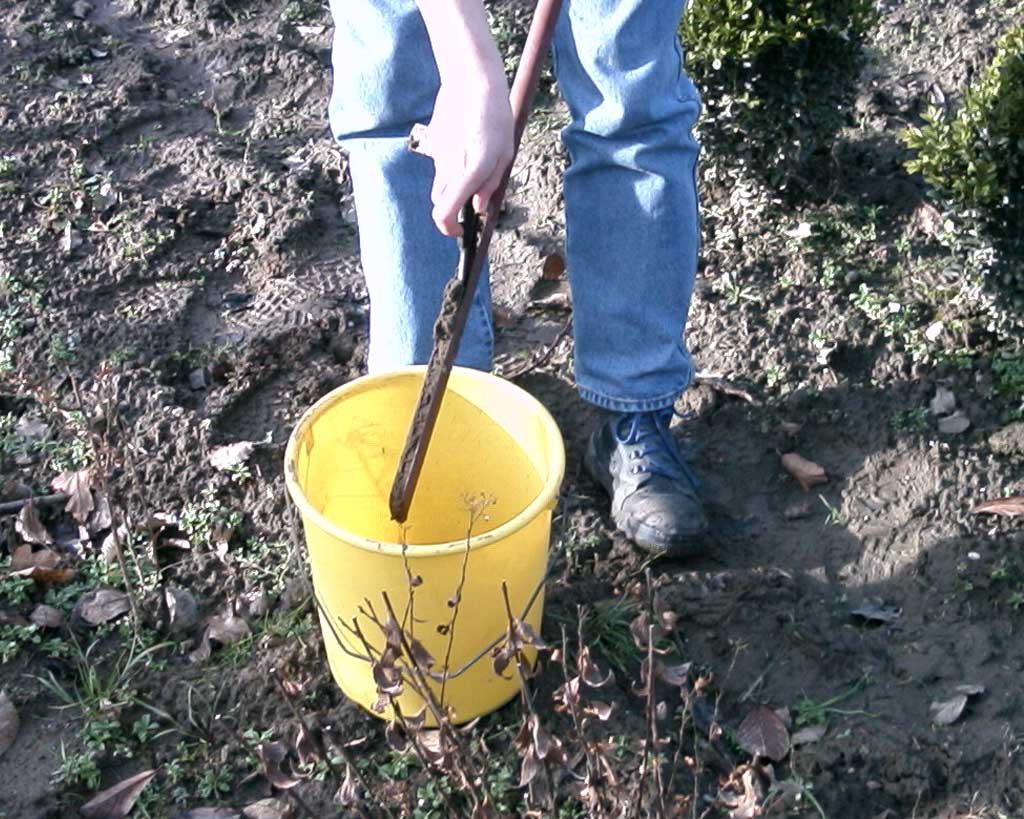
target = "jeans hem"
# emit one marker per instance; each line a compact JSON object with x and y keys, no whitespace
{"x":630,"y":404}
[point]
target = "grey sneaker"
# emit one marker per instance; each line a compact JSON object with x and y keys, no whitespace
{"x":635,"y":457}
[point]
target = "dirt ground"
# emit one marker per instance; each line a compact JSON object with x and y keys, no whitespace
{"x":178,"y":246}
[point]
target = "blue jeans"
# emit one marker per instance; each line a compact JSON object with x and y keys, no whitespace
{"x":630,"y":191}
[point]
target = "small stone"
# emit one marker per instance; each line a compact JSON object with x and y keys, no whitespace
{"x":197,"y":379}
{"x":1009,"y":440}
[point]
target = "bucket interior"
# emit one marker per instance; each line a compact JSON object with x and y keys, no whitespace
{"x":487,"y":442}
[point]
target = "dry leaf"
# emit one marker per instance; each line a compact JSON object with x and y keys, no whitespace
{"x":1007,"y":507}
{"x":874,"y":611}
{"x":182,"y":610}
{"x":805,"y":736}
{"x":949,"y":711}
{"x":227,"y":629}
{"x":954,"y":424}
{"x":78,"y":486}
{"x":305,"y":747}
{"x":554,"y":267}
{"x":807,"y":473}
{"x":267,"y":809}
{"x":231,"y":456}
{"x":9,"y":722}
{"x":944,"y":401}
{"x":348,"y":793}
{"x":43,"y":565}
{"x":747,"y":805}
{"x":29,"y":525}
{"x":208,"y":813}
{"x":790,"y":428}
{"x":100,"y":606}
{"x":762,"y":733}
{"x":46,"y":616}
{"x":101,"y":518}
{"x":118,"y":801}
{"x":271,"y":756}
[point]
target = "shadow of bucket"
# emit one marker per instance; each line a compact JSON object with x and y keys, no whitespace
{"x":482,"y":512}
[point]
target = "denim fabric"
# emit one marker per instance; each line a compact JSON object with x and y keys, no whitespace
{"x":630,"y":191}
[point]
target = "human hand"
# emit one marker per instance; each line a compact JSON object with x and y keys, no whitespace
{"x":470,"y":139}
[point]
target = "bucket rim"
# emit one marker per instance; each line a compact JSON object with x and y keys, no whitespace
{"x":545,"y":498}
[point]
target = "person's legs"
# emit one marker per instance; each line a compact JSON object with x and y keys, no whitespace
{"x":632,"y":236}
{"x":630,"y":198}
{"x":385,"y":81}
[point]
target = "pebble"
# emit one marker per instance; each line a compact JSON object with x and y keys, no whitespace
{"x":197,"y":379}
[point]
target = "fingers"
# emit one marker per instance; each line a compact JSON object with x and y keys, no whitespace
{"x":455,"y":183}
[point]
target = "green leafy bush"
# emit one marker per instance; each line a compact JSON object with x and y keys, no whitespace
{"x":975,"y":156}
{"x":776,"y":77}
{"x":716,"y":31}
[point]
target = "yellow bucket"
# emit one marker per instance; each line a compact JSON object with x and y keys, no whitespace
{"x":492,"y":441}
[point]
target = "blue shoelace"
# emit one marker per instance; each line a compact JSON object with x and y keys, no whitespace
{"x":653,"y":449}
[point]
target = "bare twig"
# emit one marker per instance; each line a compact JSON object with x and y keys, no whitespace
{"x":15,"y":506}
{"x":539,"y":359}
{"x":101,"y":449}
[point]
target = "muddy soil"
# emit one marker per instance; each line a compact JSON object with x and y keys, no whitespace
{"x":178,"y":233}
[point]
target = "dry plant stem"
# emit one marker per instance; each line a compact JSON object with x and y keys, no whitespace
{"x":458,"y":604}
{"x":443,"y":723}
{"x":527,"y":697}
{"x":591,"y":757}
{"x":327,"y":757}
{"x":538,"y":360}
{"x":100,"y":451}
{"x":407,"y":729}
{"x":465,"y":767}
{"x":15,"y":506}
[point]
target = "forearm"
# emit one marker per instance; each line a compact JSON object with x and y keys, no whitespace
{"x":462,"y":43}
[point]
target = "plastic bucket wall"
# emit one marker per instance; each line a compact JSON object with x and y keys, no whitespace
{"x":492,"y":440}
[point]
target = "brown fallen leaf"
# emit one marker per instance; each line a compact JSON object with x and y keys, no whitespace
{"x":101,"y":518}
{"x":946,"y":712}
{"x":224,"y":629}
{"x":944,"y":402}
{"x":9,"y":722}
{"x":762,"y":733}
{"x":78,"y":485}
{"x":182,"y":610}
{"x":348,"y":793}
{"x":305,"y":748}
{"x":100,"y":606}
{"x":745,"y":793}
{"x":805,"y":736}
{"x":227,"y":629}
{"x":267,"y":809}
{"x":46,"y":616}
{"x":118,"y":801}
{"x":271,"y":756}
{"x":29,"y":525}
{"x":554,"y":267}
{"x":44,"y":565}
{"x":1007,"y":507}
{"x":805,"y":472}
